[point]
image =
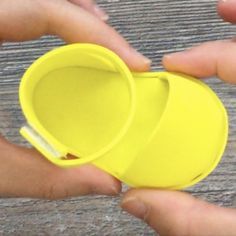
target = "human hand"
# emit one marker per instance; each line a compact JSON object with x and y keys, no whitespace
{"x":24,"y":172}
{"x":210,"y":58}
{"x":72,"y":20}
{"x":177,"y":213}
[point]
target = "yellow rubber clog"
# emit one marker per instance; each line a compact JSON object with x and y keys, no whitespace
{"x":154,"y":129}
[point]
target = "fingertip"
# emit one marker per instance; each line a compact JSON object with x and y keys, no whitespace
{"x":175,"y":62}
{"x":129,"y":193}
{"x":140,"y":66}
{"x":226,"y":9}
{"x":136,"y":61}
{"x":167,"y":61}
{"x":111,"y":187}
{"x":153,"y":204}
{"x":196,"y":61}
{"x":116,"y":187}
{"x":178,"y":213}
{"x":99,"y":181}
{"x":100,"y":13}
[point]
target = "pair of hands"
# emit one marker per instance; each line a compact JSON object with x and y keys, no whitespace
{"x":25,"y":173}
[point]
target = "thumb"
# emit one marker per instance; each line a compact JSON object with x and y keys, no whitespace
{"x":25,"y":173}
{"x":176,"y":213}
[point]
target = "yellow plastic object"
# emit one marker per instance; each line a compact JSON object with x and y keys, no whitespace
{"x":155,"y":129}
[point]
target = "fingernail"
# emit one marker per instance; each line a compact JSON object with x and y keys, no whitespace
{"x":100,"y":13}
{"x":112,"y":191}
{"x":167,"y":56}
{"x":135,"y":207}
{"x":115,"y":190}
{"x":146,"y":60}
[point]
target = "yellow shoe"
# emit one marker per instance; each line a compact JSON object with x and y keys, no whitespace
{"x":154,"y":129}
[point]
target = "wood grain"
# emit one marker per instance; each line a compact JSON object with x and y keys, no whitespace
{"x":155,"y":27}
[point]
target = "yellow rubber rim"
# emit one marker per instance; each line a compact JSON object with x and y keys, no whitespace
{"x":120,"y":66}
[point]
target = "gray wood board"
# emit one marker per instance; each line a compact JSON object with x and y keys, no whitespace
{"x":155,"y":27}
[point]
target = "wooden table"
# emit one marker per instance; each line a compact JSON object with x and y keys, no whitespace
{"x":155,"y":27}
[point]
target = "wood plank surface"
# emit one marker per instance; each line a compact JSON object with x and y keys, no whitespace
{"x":155,"y":27}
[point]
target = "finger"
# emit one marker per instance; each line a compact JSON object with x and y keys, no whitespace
{"x":25,"y":20}
{"x":209,"y":59}
{"x":178,"y":214}
{"x":25,"y":173}
{"x":92,"y":7}
{"x":227,"y":10}
{"x":74,"y":24}
{"x":70,"y":22}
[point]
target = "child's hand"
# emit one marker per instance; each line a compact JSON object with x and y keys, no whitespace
{"x":24,"y":172}
{"x":176,"y":213}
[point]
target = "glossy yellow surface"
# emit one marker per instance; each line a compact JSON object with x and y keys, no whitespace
{"x":153,"y":129}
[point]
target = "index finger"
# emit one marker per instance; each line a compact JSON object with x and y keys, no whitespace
{"x":206,"y":60}
{"x":75,"y":24}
